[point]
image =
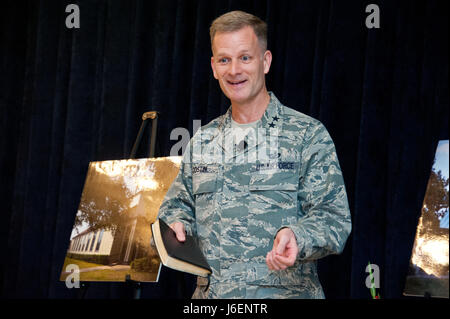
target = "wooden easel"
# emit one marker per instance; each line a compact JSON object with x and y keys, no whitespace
{"x":152,"y":115}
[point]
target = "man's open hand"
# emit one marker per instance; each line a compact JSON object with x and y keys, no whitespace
{"x":284,"y":251}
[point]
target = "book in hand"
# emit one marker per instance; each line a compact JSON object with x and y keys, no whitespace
{"x":182,"y":256}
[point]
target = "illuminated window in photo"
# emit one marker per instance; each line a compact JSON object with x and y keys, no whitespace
{"x":99,"y":240}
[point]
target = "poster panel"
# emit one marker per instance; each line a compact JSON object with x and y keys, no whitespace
{"x":428,"y":268}
{"x":111,"y":234}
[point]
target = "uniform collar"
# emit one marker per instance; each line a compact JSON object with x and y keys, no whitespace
{"x":271,"y":121}
{"x":271,"y":118}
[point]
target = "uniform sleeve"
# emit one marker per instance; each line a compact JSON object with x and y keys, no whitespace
{"x":325,"y":224}
{"x":178,"y":203}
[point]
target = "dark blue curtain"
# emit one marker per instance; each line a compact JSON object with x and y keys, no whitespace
{"x":71,"y":96}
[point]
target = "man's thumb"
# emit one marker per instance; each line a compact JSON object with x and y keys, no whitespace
{"x":282,"y":244}
{"x":180,"y":234}
{"x":178,"y":228}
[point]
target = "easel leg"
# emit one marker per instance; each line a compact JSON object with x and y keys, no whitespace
{"x":135,"y":286}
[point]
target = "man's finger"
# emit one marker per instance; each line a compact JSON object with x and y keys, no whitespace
{"x":276,"y":266}
{"x":271,"y":262}
{"x":268,"y":262}
{"x":277,"y":263}
{"x":286,"y":261}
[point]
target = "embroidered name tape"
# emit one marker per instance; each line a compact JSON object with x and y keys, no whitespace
{"x":203,"y":169}
{"x":274,"y":166}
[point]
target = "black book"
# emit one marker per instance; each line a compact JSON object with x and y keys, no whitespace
{"x":183,"y":256}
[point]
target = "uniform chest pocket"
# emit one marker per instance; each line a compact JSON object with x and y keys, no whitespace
{"x":275,"y":192}
{"x":204,"y":183}
{"x":278,"y":181}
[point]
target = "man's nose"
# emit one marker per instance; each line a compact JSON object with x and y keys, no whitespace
{"x":234,"y":67}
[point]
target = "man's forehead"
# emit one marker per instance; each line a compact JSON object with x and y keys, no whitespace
{"x":240,"y":40}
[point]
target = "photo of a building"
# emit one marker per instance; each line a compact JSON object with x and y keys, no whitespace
{"x":111,"y":236}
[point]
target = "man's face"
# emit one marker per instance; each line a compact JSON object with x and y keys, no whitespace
{"x":239,"y":64}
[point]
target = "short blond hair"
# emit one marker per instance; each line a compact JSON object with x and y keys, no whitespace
{"x":236,"y":20}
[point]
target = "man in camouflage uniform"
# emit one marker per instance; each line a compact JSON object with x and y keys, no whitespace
{"x":260,"y":186}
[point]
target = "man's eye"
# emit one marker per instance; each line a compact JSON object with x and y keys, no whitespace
{"x":223,"y":60}
{"x":245,"y":58}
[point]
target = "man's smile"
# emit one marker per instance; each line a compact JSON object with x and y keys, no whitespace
{"x":236,"y":82}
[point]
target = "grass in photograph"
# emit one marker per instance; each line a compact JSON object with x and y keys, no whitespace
{"x":107,"y":274}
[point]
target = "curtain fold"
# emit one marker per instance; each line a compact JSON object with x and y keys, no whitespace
{"x":72,"y":96}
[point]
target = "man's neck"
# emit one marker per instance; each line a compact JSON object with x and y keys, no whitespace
{"x":250,"y":111}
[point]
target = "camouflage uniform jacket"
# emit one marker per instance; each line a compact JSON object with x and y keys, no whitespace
{"x":236,"y":199}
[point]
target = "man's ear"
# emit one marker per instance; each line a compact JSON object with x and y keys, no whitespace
{"x":267,"y":61}
{"x":213,"y":68}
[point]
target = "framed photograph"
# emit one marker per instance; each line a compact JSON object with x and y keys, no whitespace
{"x":428,"y":268}
{"x":111,"y":235}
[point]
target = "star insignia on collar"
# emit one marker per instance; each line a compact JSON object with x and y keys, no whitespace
{"x":271,"y":125}
{"x":275,"y":118}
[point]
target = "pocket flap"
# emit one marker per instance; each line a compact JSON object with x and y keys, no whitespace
{"x":287,"y":181}
{"x":204,"y":183}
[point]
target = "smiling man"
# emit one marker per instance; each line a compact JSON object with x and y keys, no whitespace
{"x":266,"y":209}
{"x":240,"y":63}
